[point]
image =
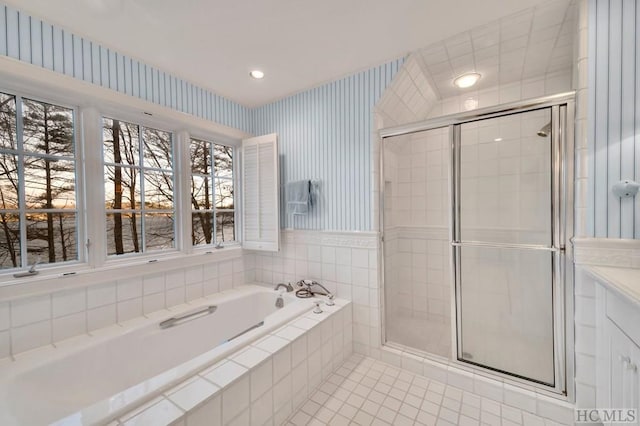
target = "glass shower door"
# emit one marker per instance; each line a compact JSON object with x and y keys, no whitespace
{"x":506,"y":242}
{"x":417,"y":285}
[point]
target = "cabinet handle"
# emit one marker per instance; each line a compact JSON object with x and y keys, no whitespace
{"x":624,"y":359}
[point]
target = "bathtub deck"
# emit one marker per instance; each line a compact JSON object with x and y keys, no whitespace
{"x":365,"y":391}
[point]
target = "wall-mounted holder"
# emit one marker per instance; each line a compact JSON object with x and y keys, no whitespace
{"x":625,"y":188}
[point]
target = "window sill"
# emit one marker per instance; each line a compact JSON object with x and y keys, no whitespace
{"x":81,"y":275}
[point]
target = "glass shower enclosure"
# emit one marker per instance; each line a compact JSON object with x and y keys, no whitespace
{"x":475,"y":227}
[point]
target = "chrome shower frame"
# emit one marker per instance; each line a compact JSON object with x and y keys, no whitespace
{"x":563,"y":113}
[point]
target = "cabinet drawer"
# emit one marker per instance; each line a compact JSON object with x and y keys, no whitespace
{"x":625,"y":315}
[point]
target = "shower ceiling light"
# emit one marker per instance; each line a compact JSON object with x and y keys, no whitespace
{"x":257,"y":74}
{"x":470,"y":103}
{"x":466,"y":80}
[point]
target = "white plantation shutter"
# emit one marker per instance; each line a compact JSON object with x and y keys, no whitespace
{"x":260,"y":193}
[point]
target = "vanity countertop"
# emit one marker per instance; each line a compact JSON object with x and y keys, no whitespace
{"x":625,"y":281}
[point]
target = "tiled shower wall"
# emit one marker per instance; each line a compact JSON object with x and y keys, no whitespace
{"x":30,"y":322}
{"x":505,"y":174}
{"x":417,"y":278}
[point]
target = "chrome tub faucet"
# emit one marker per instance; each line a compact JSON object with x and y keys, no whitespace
{"x":289,"y":287}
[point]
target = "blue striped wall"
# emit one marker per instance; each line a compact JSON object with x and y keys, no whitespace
{"x":325,"y":135}
{"x":614,"y":115}
{"x":31,"y":40}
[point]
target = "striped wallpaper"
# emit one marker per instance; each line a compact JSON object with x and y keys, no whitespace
{"x":31,"y":40}
{"x":325,"y":135}
{"x":614,"y":115}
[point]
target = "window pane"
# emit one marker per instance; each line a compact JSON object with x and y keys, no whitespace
{"x":8,"y":181}
{"x":200,"y":157}
{"x":202,"y":227}
{"x":123,"y":233}
{"x":158,"y":151}
{"x":158,"y":228}
{"x":224,"y":194}
{"x":121,"y":142}
{"x":223,"y":156}
{"x":225,"y":227}
{"x":122,"y":187}
{"x":9,"y":241}
{"x":49,"y":184}
{"x":7,"y":121}
{"x":201,"y":193}
{"x":51,"y":237}
{"x":48,"y":129}
{"x":158,"y":190}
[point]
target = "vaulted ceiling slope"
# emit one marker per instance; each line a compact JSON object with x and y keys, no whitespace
{"x":298,"y":44}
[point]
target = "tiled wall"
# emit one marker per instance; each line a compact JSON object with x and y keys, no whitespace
{"x":416,"y":255}
{"x":549,"y":84}
{"x":31,"y":40}
{"x":585,"y":337}
{"x":525,"y":55}
{"x":531,"y":43}
{"x":505,"y":174}
{"x":410,"y":96}
{"x":346,"y":263}
{"x":31,"y":322}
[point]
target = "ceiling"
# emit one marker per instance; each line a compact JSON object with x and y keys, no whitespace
{"x":298,"y":44}
{"x":532,"y":43}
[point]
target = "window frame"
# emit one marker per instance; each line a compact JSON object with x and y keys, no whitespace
{"x":237,"y":241}
{"x":79,"y":181}
{"x":175,"y":170}
{"x":89,"y":104}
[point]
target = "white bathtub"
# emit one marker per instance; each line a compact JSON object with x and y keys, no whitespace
{"x":100,"y":377}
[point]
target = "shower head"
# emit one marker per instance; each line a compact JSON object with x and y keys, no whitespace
{"x":545,"y":130}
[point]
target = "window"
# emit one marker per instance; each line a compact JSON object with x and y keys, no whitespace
{"x":212,"y":195}
{"x":139,"y":188}
{"x":38,"y":213}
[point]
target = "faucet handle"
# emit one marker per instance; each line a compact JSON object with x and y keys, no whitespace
{"x":317,"y":309}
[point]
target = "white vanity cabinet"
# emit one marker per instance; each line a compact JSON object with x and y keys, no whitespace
{"x":624,"y":357}
{"x":618,"y":351}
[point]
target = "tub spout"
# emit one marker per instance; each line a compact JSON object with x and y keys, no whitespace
{"x":289,"y":287}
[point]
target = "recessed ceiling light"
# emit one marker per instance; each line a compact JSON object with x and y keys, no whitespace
{"x":467,"y":80}
{"x":257,"y":74}
{"x":497,"y":139}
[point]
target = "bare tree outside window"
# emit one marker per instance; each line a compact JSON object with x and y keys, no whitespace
{"x":38,"y":216}
{"x":139,"y":184}
{"x":212,"y":199}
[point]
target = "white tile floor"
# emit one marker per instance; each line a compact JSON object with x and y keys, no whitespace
{"x":364,"y":391}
